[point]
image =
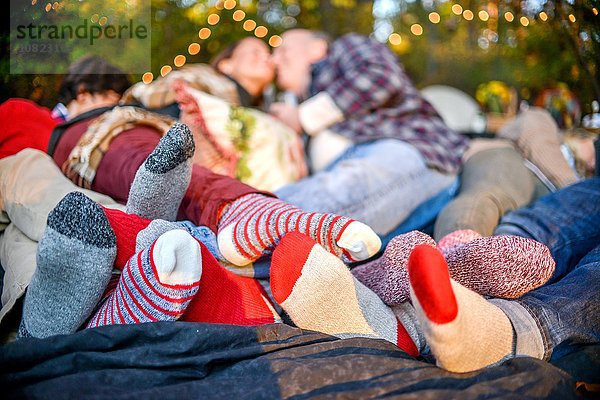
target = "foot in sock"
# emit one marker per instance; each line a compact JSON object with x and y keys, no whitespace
{"x":498,"y":266}
{"x":157,"y":284}
{"x":253,"y":225}
{"x":319,"y":293}
{"x":74,"y":263}
{"x":464,"y":331}
{"x":388,"y":275}
{"x":162,"y":179}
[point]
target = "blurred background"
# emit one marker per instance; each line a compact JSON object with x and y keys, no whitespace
{"x":501,"y":52}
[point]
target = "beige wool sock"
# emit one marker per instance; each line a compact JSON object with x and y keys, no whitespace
{"x":464,"y":331}
{"x":319,"y":293}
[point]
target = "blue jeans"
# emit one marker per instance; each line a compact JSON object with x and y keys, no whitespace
{"x":379,"y":183}
{"x":566,"y":310}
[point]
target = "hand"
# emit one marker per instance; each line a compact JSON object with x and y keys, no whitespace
{"x":287,"y":114}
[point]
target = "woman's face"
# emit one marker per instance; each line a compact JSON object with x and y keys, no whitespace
{"x":250,"y":61}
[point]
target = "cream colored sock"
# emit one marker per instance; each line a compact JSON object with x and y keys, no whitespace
{"x":464,"y":331}
{"x":319,"y":293}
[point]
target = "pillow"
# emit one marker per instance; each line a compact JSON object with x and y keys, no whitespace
{"x":240,"y":142}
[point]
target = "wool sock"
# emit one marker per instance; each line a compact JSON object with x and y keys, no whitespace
{"x":223,"y":296}
{"x":457,"y":238}
{"x":126,"y":228}
{"x":253,"y":225}
{"x":319,"y":293}
{"x":161,"y":181}
{"x":464,"y":331}
{"x":74,"y":263}
{"x":157,"y":284}
{"x":497,"y":266}
{"x":388,"y":275}
{"x":227,"y":298}
{"x":500,"y":266}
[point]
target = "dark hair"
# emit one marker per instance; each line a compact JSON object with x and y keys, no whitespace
{"x":92,"y":74}
{"x":224,"y":54}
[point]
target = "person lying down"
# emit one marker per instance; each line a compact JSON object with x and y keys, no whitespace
{"x":418,"y":295}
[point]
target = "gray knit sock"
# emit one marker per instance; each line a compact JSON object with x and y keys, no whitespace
{"x":74,"y":263}
{"x":153,"y":231}
{"x":162,"y":180}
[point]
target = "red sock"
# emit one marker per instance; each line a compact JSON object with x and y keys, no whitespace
{"x":227,"y":298}
{"x":126,"y":227}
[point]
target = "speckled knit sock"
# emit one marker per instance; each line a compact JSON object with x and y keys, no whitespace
{"x":74,"y":264}
{"x":456,"y":238}
{"x":464,"y":331}
{"x":319,"y":293}
{"x":162,"y":180}
{"x":500,"y":266}
{"x":388,"y":275}
{"x":253,"y":225}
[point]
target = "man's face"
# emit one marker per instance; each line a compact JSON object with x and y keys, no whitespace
{"x":293,"y":59}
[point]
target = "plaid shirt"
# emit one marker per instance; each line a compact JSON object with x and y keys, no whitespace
{"x":378,"y":100}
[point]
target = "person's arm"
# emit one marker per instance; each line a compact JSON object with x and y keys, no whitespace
{"x":369,"y":77}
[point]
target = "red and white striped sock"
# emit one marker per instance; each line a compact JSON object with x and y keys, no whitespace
{"x":223,"y":297}
{"x":319,"y":293}
{"x":157,"y":284}
{"x":253,"y":225}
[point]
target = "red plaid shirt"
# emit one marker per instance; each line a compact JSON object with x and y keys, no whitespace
{"x":378,"y":100}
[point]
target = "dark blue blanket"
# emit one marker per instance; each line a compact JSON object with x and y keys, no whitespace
{"x":194,"y":360}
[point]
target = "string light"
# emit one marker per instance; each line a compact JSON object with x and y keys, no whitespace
{"x":524,"y":21}
{"x":102,"y":21}
{"x":33,"y":2}
{"x":416,"y":29}
{"x":434,"y":17}
{"x":48,"y":7}
{"x":229,"y":4}
{"x":275,"y":41}
{"x":595,"y":11}
{"x":468,"y":15}
{"x":249,"y":25}
{"x":179,"y":61}
{"x":238,"y":15}
{"x":165,"y":70}
{"x":193,"y":49}
{"x":572,"y":18}
{"x":509,"y":16}
{"x":457,"y":9}
{"x":204,"y":33}
{"x":543,"y":16}
{"x":213,"y":19}
{"x":94,"y":18}
{"x":261,"y":32}
{"x":395,"y":39}
{"x":147,"y":77}
{"x":483,"y":15}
